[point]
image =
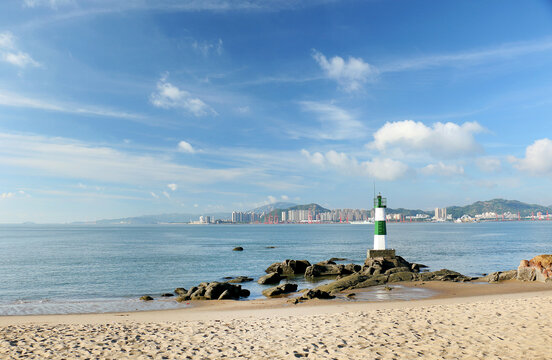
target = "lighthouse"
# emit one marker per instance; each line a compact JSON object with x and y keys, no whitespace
{"x":380,"y":230}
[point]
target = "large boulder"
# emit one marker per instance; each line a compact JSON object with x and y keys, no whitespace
{"x":289,"y":267}
{"x":376,"y":266}
{"x":280,"y":289}
{"x":538,"y":268}
{"x":272,"y":278}
{"x":214,"y":291}
{"x":499,"y":276}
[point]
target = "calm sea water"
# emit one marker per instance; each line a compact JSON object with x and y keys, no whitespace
{"x":70,"y":268}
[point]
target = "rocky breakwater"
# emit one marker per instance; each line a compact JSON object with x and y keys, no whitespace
{"x":379,"y":271}
{"x":538,"y":268}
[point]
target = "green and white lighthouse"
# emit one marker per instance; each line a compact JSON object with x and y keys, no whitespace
{"x":380,"y":231}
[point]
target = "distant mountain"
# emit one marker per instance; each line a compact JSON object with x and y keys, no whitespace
{"x":313,"y":207}
{"x":271,"y":207}
{"x":498,"y":206}
{"x":161,"y":219}
{"x":409,"y":212}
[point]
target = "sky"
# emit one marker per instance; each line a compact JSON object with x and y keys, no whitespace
{"x":123,"y":108}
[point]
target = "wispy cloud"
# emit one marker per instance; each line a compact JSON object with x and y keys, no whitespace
{"x":15,"y":100}
{"x":443,"y":169}
{"x":350,"y":74}
{"x":476,"y":56}
{"x":335,"y":123}
{"x":11,"y":54}
{"x":169,"y":96}
{"x":54,"y":4}
{"x":186,"y":147}
{"x":69,"y":159}
{"x":205,"y":48}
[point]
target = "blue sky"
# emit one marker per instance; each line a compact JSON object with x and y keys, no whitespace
{"x":144,"y":107}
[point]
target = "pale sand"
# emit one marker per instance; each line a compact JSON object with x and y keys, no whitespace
{"x":467,"y":321}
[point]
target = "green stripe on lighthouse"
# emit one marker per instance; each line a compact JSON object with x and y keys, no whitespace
{"x":380,"y":228}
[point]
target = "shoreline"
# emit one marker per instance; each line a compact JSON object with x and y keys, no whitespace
{"x":444,"y":293}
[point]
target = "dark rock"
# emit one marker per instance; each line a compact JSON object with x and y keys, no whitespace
{"x":146,"y":298}
{"x":326,"y":262}
{"x":237,"y":248}
{"x":388,"y":288}
{"x":347,"y":282}
{"x":226,"y":295}
{"x":215,"y":289}
{"x":244,"y":293}
{"x":353,"y":268}
{"x":167,"y":295}
{"x":240,"y":279}
{"x":318,"y":270}
{"x":180,"y":291}
{"x":337,"y":259}
{"x":192,"y":290}
{"x":280,"y":289}
{"x":271,"y":247}
{"x":289,"y":267}
{"x":317,"y":294}
{"x":182,"y":298}
{"x":272,"y":278}
{"x":294,"y":301}
{"x":351,"y":295}
{"x":499,"y":276}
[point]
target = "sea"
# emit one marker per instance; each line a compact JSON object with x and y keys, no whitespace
{"x":57,"y":269}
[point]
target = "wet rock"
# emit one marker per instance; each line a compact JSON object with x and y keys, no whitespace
{"x":289,"y":267}
{"x":280,"y":289}
{"x":272,"y":278}
{"x":351,"y":295}
{"x":316,"y":294}
{"x":180,"y":291}
{"x":237,"y":248}
{"x":244,"y":293}
{"x":213,"y":291}
{"x":397,"y":269}
{"x":388,"y":288}
{"x":337,"y":259}
{"x":240,"y":279}
{"x":271,"y":247}
{"x":146,"y":298}
{"x":499,"y":276}
{"x":182,"y":298}
{"x":167,"y":295}
{"x":402,"y":276}
{"x":353,"y":268}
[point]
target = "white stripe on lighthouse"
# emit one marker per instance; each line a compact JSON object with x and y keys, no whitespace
{"x":379,"y":242}
{"x":380,"y":214}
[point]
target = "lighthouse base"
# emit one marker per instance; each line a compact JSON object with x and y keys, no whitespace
{"x":387,"y":253}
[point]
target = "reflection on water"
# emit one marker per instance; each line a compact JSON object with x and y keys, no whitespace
{"x":397,"y":292}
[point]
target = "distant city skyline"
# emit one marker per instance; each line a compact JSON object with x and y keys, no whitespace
{"x":119,"y":109}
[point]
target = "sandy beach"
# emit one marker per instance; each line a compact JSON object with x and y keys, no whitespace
{"x":469,"y":321}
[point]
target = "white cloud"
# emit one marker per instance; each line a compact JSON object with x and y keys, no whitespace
{"x":166,"y":194}
{"x":538,"y":158}
{"x":335,"y":123}
{"x":154,"y":195}
{"x":381,"y":169}
{"x":196,"y":205}
{"x":271,"y":199}
{"x":10,"y":54}
{"x":169,"y":96}
{"x":65,"y":158}
{"x":173,"y":187}
{"x":6,"y":195}
{"x":50,"y":3}
{"x":488,"y":164}
{"x":186,"y":147}
{"x":440,"y":140}
{"x":14,"y":100}
{"x":205,"y":48}
{"x":243,"y":109}
{"x":442,"y":169}
{"x":350,"y":74}
{"x":285,"y":197}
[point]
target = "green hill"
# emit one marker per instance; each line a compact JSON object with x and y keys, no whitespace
{"x":498,"y":206}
